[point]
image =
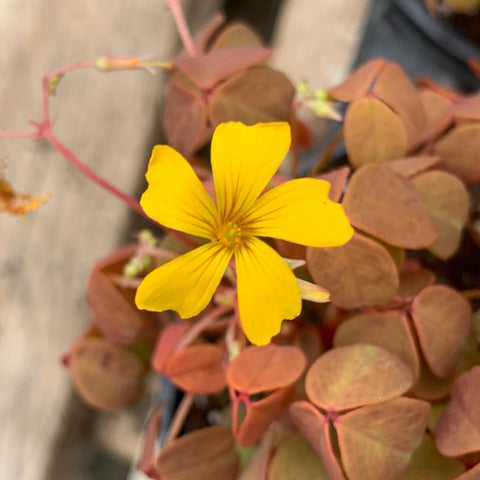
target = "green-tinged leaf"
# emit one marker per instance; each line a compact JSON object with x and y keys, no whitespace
{"x":458,"y":429}
{"x":355,"y":375}
{"x":447,"y":199}
{"x":389,"y":330}
{"x":427,"y":464}
{"x":459,"y":152}
{"x":377,"y":441}
{"x":296,"y":459}
{"x":443,"y":319}
{"x":315,"y":428}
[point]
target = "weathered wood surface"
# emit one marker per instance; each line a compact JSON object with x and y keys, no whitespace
{"x":111,"y":122}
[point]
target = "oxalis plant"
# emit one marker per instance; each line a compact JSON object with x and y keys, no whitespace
{"x":317,"y":314}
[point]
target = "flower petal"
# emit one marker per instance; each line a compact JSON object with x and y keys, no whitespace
{"x":244,"y":159}
{"x":300,"y":211}
{"x":175,"y":196}
{"x":185,"y":284}
{"x":268,"y":291}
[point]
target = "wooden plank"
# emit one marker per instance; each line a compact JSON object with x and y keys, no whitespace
{"x":111,"y":122}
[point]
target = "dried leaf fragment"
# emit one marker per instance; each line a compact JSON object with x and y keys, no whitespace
{"x":18,"y":203}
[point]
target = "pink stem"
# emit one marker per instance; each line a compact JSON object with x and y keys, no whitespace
{"x":194,"y":331}
{"x":58,"y":73}
{"x":87,"y":171}
{"x":182,"y":27}
{"x":180,"y":416}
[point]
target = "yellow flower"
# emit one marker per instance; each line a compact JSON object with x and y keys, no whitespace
{"x":244,"y":160}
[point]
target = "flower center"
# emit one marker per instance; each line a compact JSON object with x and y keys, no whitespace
{"x":230,"y":234}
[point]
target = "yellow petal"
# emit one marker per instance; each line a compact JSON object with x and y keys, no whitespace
{"x":175,"y":196}
{"x":186,"y":284}
{"x":244,"y":159}
{"x":267,"y":291}
{"x":300,"y":211}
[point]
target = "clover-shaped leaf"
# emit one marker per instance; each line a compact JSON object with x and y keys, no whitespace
{"x":395,"y":89}
{"x":359,"y":82}
{"x":359,"y":273}
{"x":113,"y":306}
{"x":198,"y":368}
{"x":409,"y":166}
{"x":106,"y":375}
{"x":459,"y":151}
{"x":447,"y":199}
{"x":259,"y":94}
{"x":184,"y":111}
{"x":377,"y":441}
{"x":442,"y":318}
{"x":375,"y":191}
{"x":265,"y":368}
{"x":295,"y":458}
{"x":457,"y":431}
{"x":373,"y":133}
{"x":427,"y":464}
{"x":467,"y":108}
{"x":389,"y":330}
{"x":208,"y":69}
{"x":205,"y":453}
{"x":355,"y":375}
{"x":315,"y":428}
{"x":260,"y":414}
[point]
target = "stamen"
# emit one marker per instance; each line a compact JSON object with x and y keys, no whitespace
{"x":230,"y":234}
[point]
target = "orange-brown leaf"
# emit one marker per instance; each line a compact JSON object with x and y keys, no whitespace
{"x":387,"y":206}
{"x":389,"y":330}
{"x":205,"y":453}
{"x":447,"y":199}
{"x":459,"y":152}
{"x":442,"y":318}
{"x":395,"y":88}
{"x":373,"y":133}
{"x":260,"y":369}
{"x":356,"y":375}
{"x":107,"y":376}
{"x":359,"y":273}
{"x":359,"y":82}
{"x":198,"y":369}
{"x":378,"y":441}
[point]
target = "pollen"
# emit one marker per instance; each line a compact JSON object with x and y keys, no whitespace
{"x":230,"y":234}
